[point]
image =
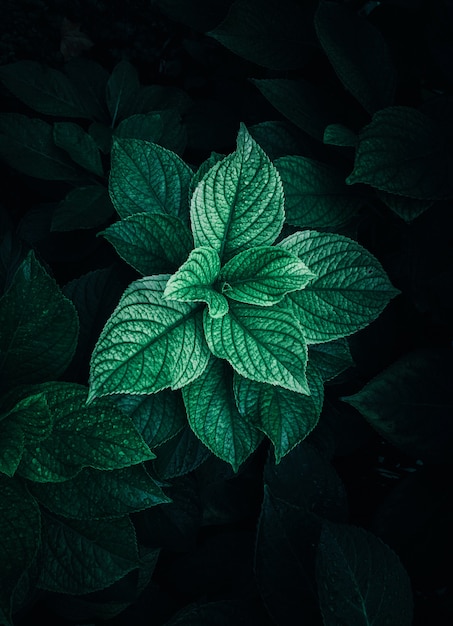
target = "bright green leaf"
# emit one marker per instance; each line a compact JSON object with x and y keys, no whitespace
{"x":28,"y":146}
{"x":350,"y":291}
{"x":43,"y":89}
{"x":193,"y":282}
{"x":39,"y":327}
{"x":121,"y":91}
{"x":149,"y":343}
{"x":361,"y":581}
{"x":83,"y":207}
{"x":316,"y":195}
{"x":82,"y":556}
{"x":145,"y":177}
{"x":331,"y":358}
{"x":284,"y":416}
{"x":151,"y":242}
{"x":263,"y":344}
{"x":263,"y":275}
{"x":358,"y":53}
{"x":94,"y":494}
{"x":214,"y":418}
{"x":239,"y":202}
{"x":20,"y":537}
{"x":403,"y":151}
{"x":80,"y":146}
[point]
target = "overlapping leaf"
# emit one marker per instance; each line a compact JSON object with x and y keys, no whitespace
{"x":148,"y":343}
{"x":121,"y":91}
{"x":82,"y":207}
{"x":80,"y":146}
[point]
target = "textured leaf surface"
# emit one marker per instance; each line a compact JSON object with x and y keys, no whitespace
{"x":20,"y":537}
{"x":403,"y":151}
{"x":27,"y":145}
{"x":85,"y":556}
{"x":39,"y":327}
{"x":239,"y":202}
{"x":148,"y":343}
{"x":214,"y":418}
{"x":145,"y":177}
{"x":316,"y":195}
{"x":332,"y":358}
{"x":151,"y":242}
{"x":83,"y":207}
{"x":94,"y":494}
{"x":80,"y":146}
{"x":360,"y":580}
{"x":43,"y":89}
{"x":121,"y":91}
{"x":263,"y":275}
{"x":358,"y":53}
{"x":284,"y":416}
{"x":350,"y":291}
{"x":410,"y":404}
{"x":193,"y":282}
{"x":263,"y":344}
{"x":204,"y":168}
{"x":79,"y":437}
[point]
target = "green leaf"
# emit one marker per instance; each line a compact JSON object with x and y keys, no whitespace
{"x":121,"y":91}
{"x":150,"y":242}
{"x":204,"y":168}
{"x":265,"y":32}
{"x":83,"y":556}
{"x":350,"y":291}
{"x":90,"y":80}
{"x":360,"y":579}
{"x":316,"y":195}
{"x":193,"y":282}
{"x":340,"y":135}
{"x":79,"y":437}
{"x":165,"y":346}
{"x":278,"y":138}
{"x":263,"y":275}
{"x":263,"y":344}
{"x":43,"y":89}
{"x":180,"y":455}
{"x":305,"y":105}
{"x":39,"y":327}
{"x":406,"y":208}
{"x":102,"y":135}
{"x":94,"y":494}
{"x":80,"y":146}
{"x":239,"y":202}
{"x":27,"y":145}
{"x":403,"y":151}
{"x":415,"y":414}
{"x":145,"y":177}
{"x":358,"y":53}
{"x":82,"y":207}
{"x":214,"y":418}
{"x":20,"y":531}
{"x":331,"y":358}
{"x":157,"y":417}
{"x":12,"y":442}
{"x":284,"y":416}
{"x":162,"y":127}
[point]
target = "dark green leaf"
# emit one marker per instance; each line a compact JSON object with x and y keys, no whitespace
{"x":204,"y":168}
{"x":27,"y":145}
{"x":151,"y":242}
{"x":83,"y":207}
{"x":360,"y":580}
{"x":121,"y":91}
{"x":406,"y":208}
{"x":279,"y":139}
{"x":180,"y":455}
{"x":162,"y":127}
{"x":102,"y":135}
{"x":12,"y":442}
{"x":80,"y":146}
{"x":39,"y":327}
{"x":331,"y":358}
{"x":90,"y":80}
{"x":340,"y":135}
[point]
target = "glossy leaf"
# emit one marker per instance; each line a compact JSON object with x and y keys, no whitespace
{"x":263,"y":275}
{"x":193,"y":282}
{"x":80,"y":146}
{"x":239,"y":202}
{"x":20,"y":538}
{"x":403,"y":151}
{"x":284,"y":416}
{"x":316,"y":195}
{"x":360,"y":580}
{"x":350,"y":291}
{"x":164,"y":348}
{"x":150,"y":242}
{"x":94,"y":494}
{"x":82,"y":208}
{"x":83,"y":556}
{"x":358,"y":53}
{"x":214,"y":418}
{"x":39,"y":327}
{"x":263,"y":344}
{"x":145,"y":177}
{"x":43,"y":89}
{"x":121,"y":90}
